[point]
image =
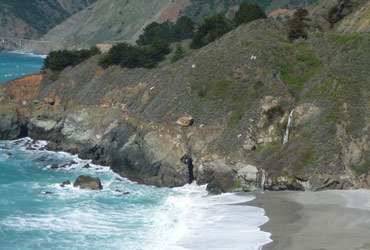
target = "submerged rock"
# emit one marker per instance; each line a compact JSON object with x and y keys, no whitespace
{"x":54,"y":166}
{"x":88,"y":182}
{"x":67,"y":182}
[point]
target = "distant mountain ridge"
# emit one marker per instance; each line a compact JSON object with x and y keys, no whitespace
{"x":33,"y":18}
{"x":108,"y":21}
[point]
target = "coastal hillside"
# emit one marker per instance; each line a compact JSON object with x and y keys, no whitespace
{"x":30,"y":19}
{"x":109,"y":21}
{"x":252,"y":109}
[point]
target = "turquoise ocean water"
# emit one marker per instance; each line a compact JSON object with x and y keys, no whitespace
{"x":13,"y":65}
{"x":37,"y":213}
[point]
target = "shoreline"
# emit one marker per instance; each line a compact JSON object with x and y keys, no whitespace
{"x":325,"y":220}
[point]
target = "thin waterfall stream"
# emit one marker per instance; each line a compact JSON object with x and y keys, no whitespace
{"x":289,"y":125}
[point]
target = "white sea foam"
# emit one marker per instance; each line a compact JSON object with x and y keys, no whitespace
{"x":188,"y":218}
{"x":217,"y":222}
{"x":27,"y":54}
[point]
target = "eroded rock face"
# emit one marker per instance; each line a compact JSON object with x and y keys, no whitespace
{"x":10,"y":126}
{"x":88,"y":182}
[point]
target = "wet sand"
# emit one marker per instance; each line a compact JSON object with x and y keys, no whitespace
{"x":326,"y":220}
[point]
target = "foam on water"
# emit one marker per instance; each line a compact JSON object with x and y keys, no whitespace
{"x":149,"y":218}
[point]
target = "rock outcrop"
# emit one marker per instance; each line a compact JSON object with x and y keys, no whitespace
{"x":88,"y":182}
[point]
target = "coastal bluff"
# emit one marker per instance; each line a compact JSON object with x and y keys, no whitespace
{"x":239,"y":95}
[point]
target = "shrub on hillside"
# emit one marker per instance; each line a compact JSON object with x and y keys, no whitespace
{"x":59,"y":60}
{"x":298,"y":24}
{"x":210,"y":29}
{"x":155,"y":31}
{"x":178,"y":54}
{"x":134,"y":56}
{"x":181,"y":30}
{"x":248,"y":12}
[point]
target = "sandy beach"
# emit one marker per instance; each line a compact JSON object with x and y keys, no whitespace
{"x":326,"y":220}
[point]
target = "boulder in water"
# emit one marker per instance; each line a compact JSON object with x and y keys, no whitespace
{"x":67,"y":182}
{"x":54,"y":166}
{"x":88,"y":182}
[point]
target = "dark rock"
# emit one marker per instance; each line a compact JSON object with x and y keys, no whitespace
{"x":126,"y":193}
{"x":54,"y":166}
{"x":87,"y":166}
{"x":67,"y":182}
{"x":88,"y":182}
{"x":72,"y":163}
{"x":118,"y":191}
{"x":42,"y":159}
{"x":8,"y":153}
{"x":47,"y":193}
{"x":118,"y":179}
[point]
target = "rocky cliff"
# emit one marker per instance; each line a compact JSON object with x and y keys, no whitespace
{"x":255,"y":110}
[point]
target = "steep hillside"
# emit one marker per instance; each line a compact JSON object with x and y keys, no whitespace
{"x":240,"y":90}
{"x":32,"y":18}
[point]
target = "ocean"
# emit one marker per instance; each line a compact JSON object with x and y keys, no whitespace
{"x":36,"y":212}
{"x":14,"y":65}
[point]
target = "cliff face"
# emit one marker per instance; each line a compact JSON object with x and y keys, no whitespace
{"x":240,"y":91}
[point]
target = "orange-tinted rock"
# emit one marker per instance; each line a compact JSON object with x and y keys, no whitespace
{"x":24,"y":88}
{"x":171,"y":13}
{"x":278,"y":12}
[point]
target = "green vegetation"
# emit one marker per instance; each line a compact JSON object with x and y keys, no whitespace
{"x":227,"y":95}
{"x":59,"y":60}
{"x":248,"y":12}
{"x":210,"y":29}
{"x":298,"y":24}
{"x":281,"y":160}
{"x":178,"y":54}
{"x":336,"y":13}
{"x":133,"y":56}
{"x":363,"y":168}
{"x":296,"y":74}
{"x":181,"y":30}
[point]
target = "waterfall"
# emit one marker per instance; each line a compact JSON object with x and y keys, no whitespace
{"x":263,"y":177}
{"x":286,"y":136}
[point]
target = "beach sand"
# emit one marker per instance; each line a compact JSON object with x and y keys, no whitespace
{"x":326,"y":220}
